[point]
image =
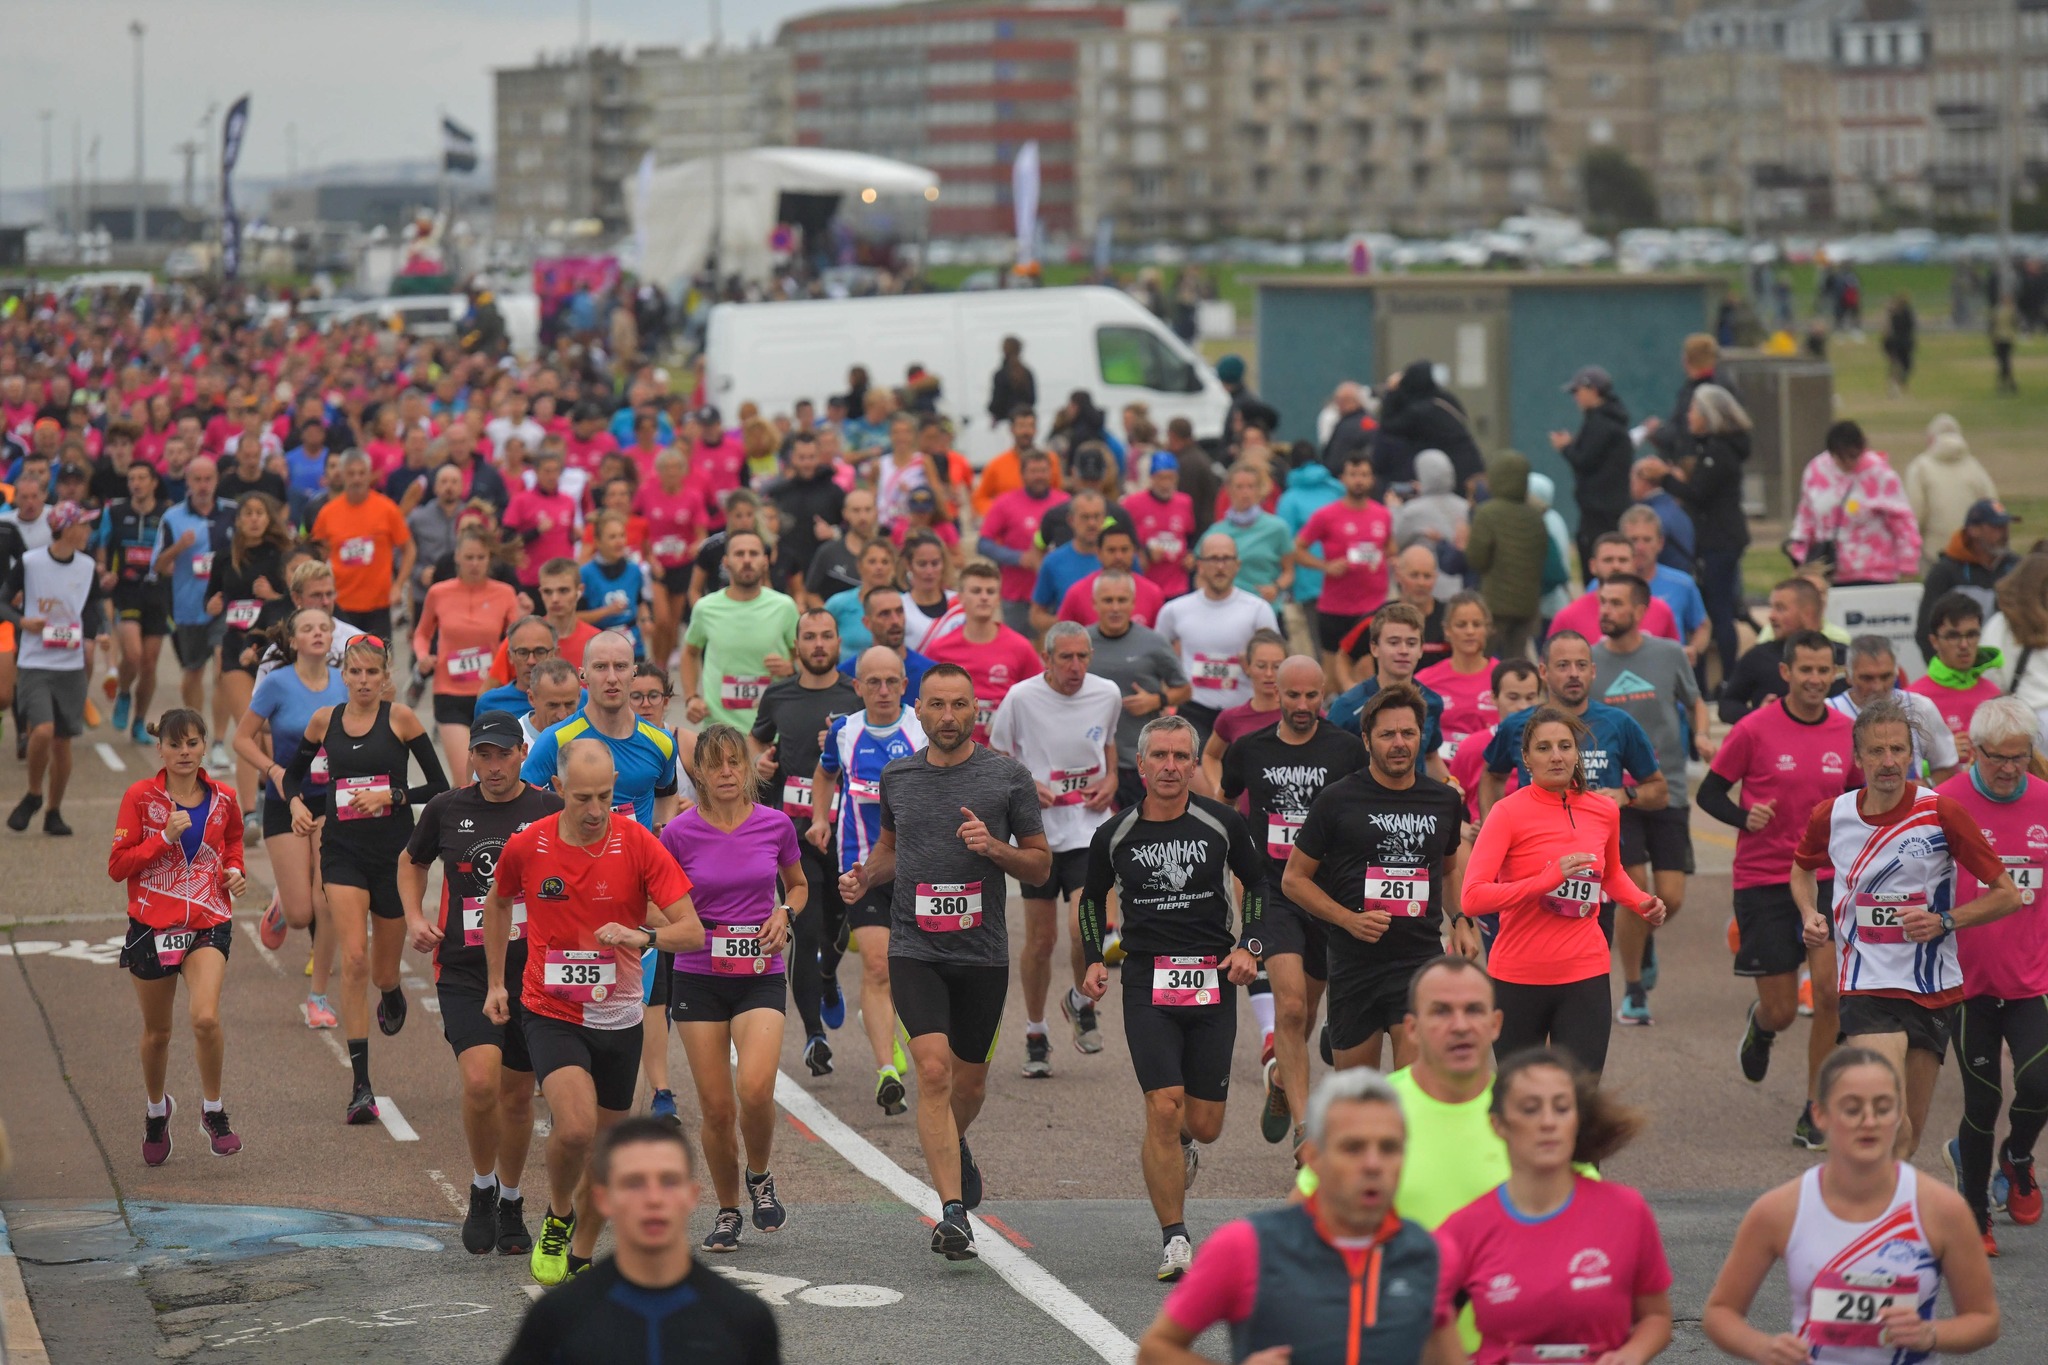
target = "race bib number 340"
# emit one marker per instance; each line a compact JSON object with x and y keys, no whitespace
{"x":1181,"y":981}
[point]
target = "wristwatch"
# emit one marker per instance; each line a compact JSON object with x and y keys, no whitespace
{"x":1948,"y":921}
{"x":784,"y":908}
{"x":650,"y":935}
{"x":1256,"y":947}
{"x":1628,"y":794}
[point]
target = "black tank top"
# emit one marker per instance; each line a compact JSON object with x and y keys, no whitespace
{"x":379,"y":753}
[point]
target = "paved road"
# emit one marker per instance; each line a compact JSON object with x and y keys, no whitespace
{"x":325,"y":1243}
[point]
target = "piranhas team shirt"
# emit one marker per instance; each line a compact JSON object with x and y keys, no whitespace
{"x":1365,"y":835}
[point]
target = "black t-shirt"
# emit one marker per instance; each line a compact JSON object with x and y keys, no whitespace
{"x":466,"y":831}
{"x":1357,"y":825}
{"x":834,"y":569}
{"x":1284,"y":779}
{"x":128,"y":540}
{"x":602,"y":1318}
{"x":233,"y":485}
{"x":791,"y":717}
{"x":1174,"y":878}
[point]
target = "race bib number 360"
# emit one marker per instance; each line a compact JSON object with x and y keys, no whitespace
{"x":1845,"y":1308}
{"x":579,"y":978}
{"x":947,"y":907}
{"x":1180,"y":981}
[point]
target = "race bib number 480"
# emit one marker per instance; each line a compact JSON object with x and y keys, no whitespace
{"x":947,"y":907}
{"x":1181,"y":981}
{"x":578,"y":977}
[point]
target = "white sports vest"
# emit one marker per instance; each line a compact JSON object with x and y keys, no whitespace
{"x":1840,"y":1273}
{"x":1878,"y":871}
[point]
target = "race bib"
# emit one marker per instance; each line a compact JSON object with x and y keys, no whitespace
{"x":669,"y":549}
{"x":579,"y":978}
{"x":318,"y":772}
{"x":1845,"y":1308}
{"x":1402,"y":891}
{"x":202,"y":565}
{"x":1549,"y":1355}
{"x":984,"y":715}
{"x":1178,"y":981}
{"x":1070,"y":785}
{"x":862,"y":789}
{"x":1280,"y":832}
{"x":242,"y":613}
{"x":1574,"y":898}
{"x":947,"y":907}
{"x":1365,"y":555}
{"x":468,"y":663}
{"x":1213,"y":673}
{"x":742,"y":693}
{"x":1877,"y":914}
{"x":346,"y":790}
{"x":800,"y":798}
{"x":63,"y":635}
{"x":171,"y":947}
{"x":2026,"y":875}
{"x":138,"y":556}
{"x":735,"y":949}
{"x":473,"y":921}
{"x":357,"y":550}
{"x":615,"y":600}
{"x":1166,"y":543}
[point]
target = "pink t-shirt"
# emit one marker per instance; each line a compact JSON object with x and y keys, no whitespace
{"x":588,"y":454}
{"x":1469,"y":763}
{"x":555,"y":541}
{"x":1468,"y":699}
{"x":1239,"y":721}
{"x":1583,"y":616}
{"x":2007,"y":958}
{"x":996,"y":667}
{"x":1079,"y":603}
{"x":1956,"y":704}
{"x":675,"y":521}
{"x":1164,"y":529}
{"x":1012,"y":522}
{"x":1793,"y":765}
{"x":1570,"y":1279}
{"x":1361,"y":537}
{"x":720,"y":465}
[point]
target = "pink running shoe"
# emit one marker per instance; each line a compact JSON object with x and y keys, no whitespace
{"x":271,"y":929}
{"x":320,"y":1014}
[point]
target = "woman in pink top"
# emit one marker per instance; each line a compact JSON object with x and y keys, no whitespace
{"x":1263,"y":655}
{"x":1465,"y":680}
{"x":1165,"y":519}
{"x":1554,"y":1259}
{"x":462,"y":619}
{"x":674,"y":507}
{"x":543,"y":517}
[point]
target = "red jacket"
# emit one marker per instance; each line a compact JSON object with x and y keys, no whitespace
{"x":164,"y":890}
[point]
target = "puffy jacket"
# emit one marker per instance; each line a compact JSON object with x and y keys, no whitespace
{"x":1863,"y":512}
{"x":1941,"y":483}
{"x":1508,"y":543}
{"x":1309,"y":488}
{"x":1712,"y":496}
{"x":165,"y":890}
{"x":1957,"y":569}
{"x":1558,"y":587}
{"x":1600,"y":456}
{"x":1416,"y":416}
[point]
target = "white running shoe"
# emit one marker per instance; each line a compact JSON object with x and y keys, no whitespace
{"x":1175,"y":1259}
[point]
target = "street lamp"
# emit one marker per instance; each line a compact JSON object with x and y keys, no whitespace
{"x":135,"y":31}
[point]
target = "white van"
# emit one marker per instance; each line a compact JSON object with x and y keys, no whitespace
{"x":1085,"y":337}
{"x":439,"y":316}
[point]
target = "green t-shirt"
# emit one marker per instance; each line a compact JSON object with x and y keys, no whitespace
{"x":735,"y":637}
{"x":1454,"y":1156}
{"x":1260,"y":548}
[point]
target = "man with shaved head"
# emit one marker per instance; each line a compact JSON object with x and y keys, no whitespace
{"x":192,"y":533}
{"x":1281,"y":770}
{"x":1419,"y":583}
{"x":1209,"y":627}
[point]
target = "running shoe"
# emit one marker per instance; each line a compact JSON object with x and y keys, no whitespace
{"x":320,"y":1014}
{"x":391,"y":1010}
{"x":1037,"y":1056}
{"x":1805,"y":993}
{"x":480,"y":1228}
{"x":1175,"y":1259}
{"x":92,"y":715}
{"x":889,"y":1091}
{"x":550,"y":1262}
{"x":1323,"y":1047}
{"x":1277,"y":1118}
{"x":769,"y":1215}
{"x":1190,"y":1160}
{"x":1650,"y":963}
{"x":898,"y":1058}
{"x":1984,"y":1227}
{"x":252,"y":829}
{"x":1635,"y":1009}
{"x":218,"y":758}
{"x":1806,"y":1133}
{"x":663,"y":1106}
{"x":53,"y":824}
{"x":2001,"y":1191}
{"x":123,"y":704}
{"x":970,"y":1178}
{"x":415,"y":689}
{"x":1754,"y":1053}
{"x":24,"y":811}
{"x":832,"y":1003}
{"x":725,"y":1231}
{"x":1952,"y":1158}
{"x":2023,"y":1198}
{"x":513,"y":1238}
{"x":1087,"y":1031}
{"x":818,"y":1055}
{"x":1734,"y":935}
{"x":362,"y":1107}
{"x":1113,"y":947}
{"x":270,"y":930}
{"x":952,"y":1238}
{"x":1266,"y":1050}
{"x":156,"y":1134}
{"x":220,"y":1134}
{"x":110,"y":683}
{"x":139,"y":732}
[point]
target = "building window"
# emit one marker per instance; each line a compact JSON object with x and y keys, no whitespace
{"x":1194,"y":138}
{"x":1524,"y":45}
{"x":1148,"y":61}
{"x":1599,"y":131}
{"x":1525,"y":135}
{"x":1599,"y":39}
{"x":1148,"y":104}
{"x":1194,"y":56}
{"x":1603,"y":85}
{"x":1194,"y":96}
{"x":1148,"y":148}
{"x":1525,"y":183}
{"x":1149,"y":185}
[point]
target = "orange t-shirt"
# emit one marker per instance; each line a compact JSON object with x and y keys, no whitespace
{"x":471,"y":622}
{"x":1003,"y":473}
{"x":362,"y":542}
{"x":570,"y":647}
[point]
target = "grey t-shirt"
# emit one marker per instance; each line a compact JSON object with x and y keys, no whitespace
{"x":935,"y":872}
{"x":1655,"y":685}
{"x":1140,"y":657}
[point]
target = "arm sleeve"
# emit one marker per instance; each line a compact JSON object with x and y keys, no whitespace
{"x":997,"y":552}
{"x":1026,"y":819}
{"x":1250,"y":867}
{"x":1233,"y":778}
{"x":1169,"y":665}
{"x":1713,"y":798}
{"x":13,"y":587}
{"x":1935,"y":734}
{"x":1095,"y":893}
{"x":232,"y":853}
{"x":1739,"y":688}
{"x":421,"y":747}
{"x":95,"y":622}
{"x":1653,"y":1270}
{"x":295,"y":776}
{"x":1222,"y":1283}
{"x":1501,"y":755}
{"x":828,"y":755}
{"x":1812,"y":853}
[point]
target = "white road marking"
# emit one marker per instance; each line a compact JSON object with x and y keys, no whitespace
{"x":394,"y":1121}
{"x":442,"y":1184}
{"x":1030,"y":1279}
{"x":110,"y":758}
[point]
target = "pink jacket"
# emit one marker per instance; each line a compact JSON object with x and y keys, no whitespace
{"x":1864,"y":512}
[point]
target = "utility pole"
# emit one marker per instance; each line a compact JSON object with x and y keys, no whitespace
{"x":189,"y":149}
{"x":141,"y":212}
{"x":718,"y":86}
{"x":49,"y":184}
{"x":78,"y":213}
{"x":583,"y":201}
{"x":291,"y":152}
{"x":2009,"y":110}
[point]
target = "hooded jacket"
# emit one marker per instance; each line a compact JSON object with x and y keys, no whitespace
{"x":1862,"y":513}
{"x":1416,"y":416}
{"x":1960,"y":569}
{"x":1309,"y":488}
{"x":1712,"y":496}
{"x":1436,"y":507}
{"x":1600,"y":456}
{"x":1941,"y":483}
{"x":1558,"y":588}
{"x":1508,"y":544}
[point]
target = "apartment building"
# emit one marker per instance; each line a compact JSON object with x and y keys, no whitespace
{"x":1974,"y":43}
{"x":1882,"y":111}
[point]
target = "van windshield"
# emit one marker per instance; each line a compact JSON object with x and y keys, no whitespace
{"x":1134,"y":358}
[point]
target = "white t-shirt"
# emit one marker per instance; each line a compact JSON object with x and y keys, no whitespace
{"x":55,"y":591}
{"x":526,"y":429}
{"x":1061,"y":740}
{"x":1932,"y":742}
{"x":1211,"y":635}
{"x":35,"y":535}
{"x":918,"y":623}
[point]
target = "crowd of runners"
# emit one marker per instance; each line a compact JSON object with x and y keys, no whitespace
{"x":630,"y":716}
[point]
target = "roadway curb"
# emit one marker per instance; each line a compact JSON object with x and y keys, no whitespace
{"x":21,"y":1341}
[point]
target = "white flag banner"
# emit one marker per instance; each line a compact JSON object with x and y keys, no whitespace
{"x":1024,"y":195}
{"x":643,"y":194}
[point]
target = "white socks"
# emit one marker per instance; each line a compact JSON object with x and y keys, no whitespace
{"x":484,"y":1182}
{"x":161,"y":1108}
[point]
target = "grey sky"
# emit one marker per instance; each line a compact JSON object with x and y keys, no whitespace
{"x":361,"y":79}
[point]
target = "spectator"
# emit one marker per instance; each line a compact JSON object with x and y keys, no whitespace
{"x":1416,"y":415}
{"x":1900,"y":328}
{"x":1942,"y":483}
{"x":1976,"y":557}
{"x":1438,"y":516}
{"x":1090,"y":469}
{"x":1680,"y":543}
{"x":1599,"y":456}
{"x":1558,"y":587}
{"x":1711,"y":492}
{"x":1507,"y":548}
{"x":1955,"y":680}
{"x":1013,"y":386}
{"x":1853,"y":514}
{"x":2020,"y":632}
{"x":1354,"y":429}
{"x":2005,"y":330}
{"x":1676,"y":440}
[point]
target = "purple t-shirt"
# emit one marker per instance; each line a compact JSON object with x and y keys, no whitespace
{"x":732,"y":884}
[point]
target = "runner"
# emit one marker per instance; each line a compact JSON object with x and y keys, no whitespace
{"x":178,"y":845}
{"x":1873,"y":677}
{"x":926,"y":603}
{"x":650,"y":1300}
{"x":1145,"y":669}
{"x":882,"y":621}
{"x":1117,"y":548}
{"x":974,"y":637}
{"x":1394,"y":637}
{"x":1544,"y":858}
{"x":1263,"y":654}
{"x":581,"y":991}
{"x":561,"y":588}
{"x":1464,"y":679}
{"x":558,"y":694}
{"x":465,"y":830}
{"x":1209,"y":627}
{"x":1009,"y":532}
{"x":530,"y":640}
{"x":1955,"y":680}
{"x":1062,"y":565}
{"x":1517,"y":685}
{"x":246,"y":590}
{"x":643,"y":755}
{"x":1061,"y":725}
{"x":191,"y":533}
{"x":284,"y":704}
{"x":371,"y":821}
{"x":613,"y":582}
{"x":1355,"y":539}
{"x":461,"y":621}
{"x":1554,"y":1260}
{"x":1345,"y":1251}
{"x":1169,"y":857}
{"x":728,"y":997}
{"x":1280,"y":771}
{"x":1866,"y":1243}
{"x":141,"y":601}
{"x":739,"y":640}
{"x":1618,"y":759}
{"x":1896,"y":850}
{"x":373,"y":547}
{"x":1788,"y":755}
{"x":793,"y":714}
{"x":58,"y":588}
{"x":2005,"y":969}
{"x":650,"y":695}
{"x":857,"y":747}
{"x":949,"y":956}
{"x":676,"y":519}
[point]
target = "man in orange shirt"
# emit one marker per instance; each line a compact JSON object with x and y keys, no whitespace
{"x":368,"y":545}
{"x":1006,"y":471}
{"x":561,"y":588}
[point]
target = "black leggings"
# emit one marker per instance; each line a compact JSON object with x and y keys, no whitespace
{"x":1985,"y":1026}
{"x":818,"y":932}
{"x":1575,"y":1016}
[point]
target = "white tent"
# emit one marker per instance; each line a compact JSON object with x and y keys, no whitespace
{"x":673,"y":211}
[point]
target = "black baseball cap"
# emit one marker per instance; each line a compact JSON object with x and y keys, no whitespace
{"x":497,"y":727}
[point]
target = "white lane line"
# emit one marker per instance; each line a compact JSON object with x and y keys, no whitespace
{"x":1030,"y":1279}
{"x":110,"y":758}
{"x":394,"y":1121}
{"x":326,"y":1034}
{"x":447,"y":1189}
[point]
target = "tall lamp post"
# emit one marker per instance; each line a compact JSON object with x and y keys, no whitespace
{"x":141,"y":225}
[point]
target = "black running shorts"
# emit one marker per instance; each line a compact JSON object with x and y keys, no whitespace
{"x":963,"y":1001}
